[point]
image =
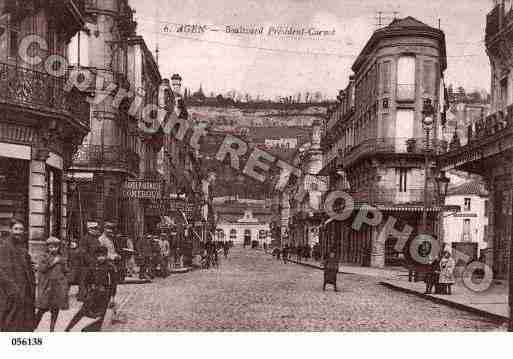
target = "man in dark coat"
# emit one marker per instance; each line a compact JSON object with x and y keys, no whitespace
{"x":144,"y":250}
{"x":87,"y":246}
{"x":17,"y":283}
{"x":330,"y":271}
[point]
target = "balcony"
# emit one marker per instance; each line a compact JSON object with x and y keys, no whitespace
{"x":491,"y":128}
{"x":405,"y":92}
{"x":388,"y":145}
{"x":112,"y":158}
{"x":36,"y":91}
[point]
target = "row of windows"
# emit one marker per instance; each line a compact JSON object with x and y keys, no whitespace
{"x":247,"y":232}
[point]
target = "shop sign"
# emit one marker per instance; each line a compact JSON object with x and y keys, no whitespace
{"x":142,"y":189}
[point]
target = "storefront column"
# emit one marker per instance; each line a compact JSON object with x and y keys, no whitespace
{"x":37,"y":206}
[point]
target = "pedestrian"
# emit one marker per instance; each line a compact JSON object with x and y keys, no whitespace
{"x":75,"y":263}
{"x":101,"y":288}
{"x":17,"y":282}
{"x":107,"y":240}
{"x":432,"y":276}
{"x":446,"y":280}
{"x":145,"y":253}
{"x":155,"y":267}
{"x":52,"y":283}
{"x":164,"y":253}
{"x":87,"y":247}
{"x":130,"y":262}
{"x":330,"y":271}
{"x":285,"y":254}
{"x":226,"y":249}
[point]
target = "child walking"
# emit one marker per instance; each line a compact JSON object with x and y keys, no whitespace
{"x":100,"y":282}
{"x":52,"y":285}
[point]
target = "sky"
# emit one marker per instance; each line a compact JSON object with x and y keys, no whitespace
{"x":284,"y":65}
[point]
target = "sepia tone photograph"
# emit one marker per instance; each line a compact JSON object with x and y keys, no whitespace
{"x":232,"y":166}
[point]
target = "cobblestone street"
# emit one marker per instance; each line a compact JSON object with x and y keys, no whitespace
{"x":251,"y":291}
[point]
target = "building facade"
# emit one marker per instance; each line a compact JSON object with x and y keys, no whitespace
{"x":41,"y":124}
{"x":243,"y":224}
{"x":374,"y":140}
{"x":488,"y":152}
{"x":470,"y":224}
{"x":109,"y":154}
{"x":305,"y":193}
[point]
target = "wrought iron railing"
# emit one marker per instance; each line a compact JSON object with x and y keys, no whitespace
{"x":491,"y":125}
{"x":388,"y":145}
{"x":41,"y":92}
{"x":102,"y":157}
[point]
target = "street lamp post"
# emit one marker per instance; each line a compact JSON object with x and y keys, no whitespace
{"x":442,"y":182}
{"x":427,"y":124}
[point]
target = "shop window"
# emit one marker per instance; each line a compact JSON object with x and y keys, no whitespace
{"x":53,"y":203}
{"x":14,"y":203}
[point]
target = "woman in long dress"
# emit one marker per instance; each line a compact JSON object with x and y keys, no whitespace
{"x":446,"y":280}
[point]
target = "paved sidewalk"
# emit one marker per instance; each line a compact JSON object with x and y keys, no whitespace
{"x":493,"y":303}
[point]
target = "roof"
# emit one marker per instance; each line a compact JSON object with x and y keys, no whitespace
{"x":237,"y":208}
{"x":408,"y":26}
{"x":408,"y":21}
{"x":475,"y":187}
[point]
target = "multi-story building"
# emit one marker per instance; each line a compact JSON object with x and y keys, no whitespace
{"x":374,"y":140}
{"x":305,"y":193}
{"x":109,"y":154}
{"x":488,"y":152}
{"x":470,"y":224}
{"x":41,"y":123}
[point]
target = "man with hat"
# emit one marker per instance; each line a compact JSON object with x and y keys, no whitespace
{"x":87,"y":247}
{"x":107,"y":240}
{"x":144,"y":250}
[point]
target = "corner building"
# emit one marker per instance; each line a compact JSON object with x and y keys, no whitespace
{"x":374,"y":140}
{"x":41,"y":124}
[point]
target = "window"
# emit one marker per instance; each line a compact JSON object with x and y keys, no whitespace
{"x":233,"y":234}
{"x":403,"y":128}
{"x":466,"y":230}
{"x":402,"y":174}
{"x":428,"y":77}
{"x":406,"y":78}
{"x":466,"y":204}
{"x":504,"y":92}
{"x":78,"y":53}
{"x":13,"y":43}
{"x":386,"y":76}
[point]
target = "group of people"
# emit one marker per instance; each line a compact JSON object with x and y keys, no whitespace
{"x":211,"y":250}
{"x":24,"y":300}
{"x":300,"y":252}
{"x":440,"y":275}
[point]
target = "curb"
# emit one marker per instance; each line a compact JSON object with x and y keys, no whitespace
{"x":483,"y":313}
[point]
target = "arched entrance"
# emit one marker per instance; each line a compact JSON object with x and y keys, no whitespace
{"x":247,"y":237}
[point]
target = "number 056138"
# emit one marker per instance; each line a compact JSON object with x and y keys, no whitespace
{"x":26,"y":341}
